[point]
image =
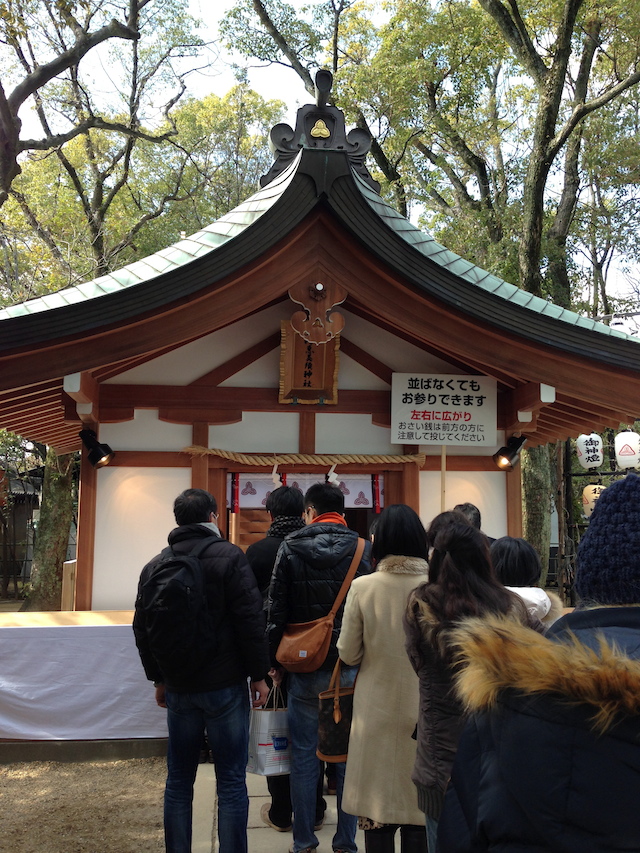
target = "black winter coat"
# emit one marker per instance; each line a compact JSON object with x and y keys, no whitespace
{"x":310,"y":567}
{"x":261,"y":555}
{"x":550,"y":760}
{"x":234,"y":596}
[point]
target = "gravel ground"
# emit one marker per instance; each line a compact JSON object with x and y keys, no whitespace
{"x":93,"y":807}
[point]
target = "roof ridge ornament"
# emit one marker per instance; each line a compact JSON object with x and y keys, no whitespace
{"x":319,"y":126}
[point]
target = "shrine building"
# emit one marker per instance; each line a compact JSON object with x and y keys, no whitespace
{"x":312,"y":330}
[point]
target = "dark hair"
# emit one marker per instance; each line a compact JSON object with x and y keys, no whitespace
{"x":471,"y":513}
{"x":285,"y":500}
{"x":325,"y":497}
{"x":442,"y":521}
{"x":193,"y":506}
{"x":399,"y":531}
{"x":516,"y":562}
{"x":462,"y":583}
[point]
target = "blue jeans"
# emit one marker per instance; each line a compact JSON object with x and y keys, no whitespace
{"x":432,"y":834}
{"x":224,"y":714}
{"x":303,"y":691}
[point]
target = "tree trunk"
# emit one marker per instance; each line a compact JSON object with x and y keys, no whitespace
{"x":558,"y":273}
{"x":538,"y":494}
{"x":56,"y":513}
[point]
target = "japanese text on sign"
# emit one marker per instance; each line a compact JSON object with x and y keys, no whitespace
{"x":443,"y":409}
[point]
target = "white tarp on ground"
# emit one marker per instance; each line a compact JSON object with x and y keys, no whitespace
{"x":74,"y":682}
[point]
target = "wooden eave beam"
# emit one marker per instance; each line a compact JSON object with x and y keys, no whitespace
{"x":366,"y":360}
{"x":610,"y":411}
{"x":40,"y":403}
{"x":31,"y":392}
{"x":389,"y":299}
{"x":201,"y":397}
{"x":239,"y":362}
{"x":466,"y":366}
{"x":520,"y":407}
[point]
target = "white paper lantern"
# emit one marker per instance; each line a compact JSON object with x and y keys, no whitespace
{"x":589,"y":450}
{"x":590,"y":495}
{"x":627,"y":446}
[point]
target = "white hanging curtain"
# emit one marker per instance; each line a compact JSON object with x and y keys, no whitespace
{"x":252,"y":490}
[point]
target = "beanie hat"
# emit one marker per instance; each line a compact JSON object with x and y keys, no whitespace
{"x":608,"y":569}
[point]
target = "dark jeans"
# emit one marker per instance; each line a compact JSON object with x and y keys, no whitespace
{"x":280,"y":790}
{"x":305,"y":767}
{"x":225,"y":716}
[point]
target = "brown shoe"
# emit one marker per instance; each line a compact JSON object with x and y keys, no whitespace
{"x":264,"y":815}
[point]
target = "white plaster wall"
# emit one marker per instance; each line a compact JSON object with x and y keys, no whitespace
{"x":486,"y":489}
{"x":354,"y":376}
{"x":183,"y":365}
{"x":134,"y":514}
{"x":146,"y":432}
{"x":259,"y":432}
{"x":400,"y":356}
{"x":340,"y":433}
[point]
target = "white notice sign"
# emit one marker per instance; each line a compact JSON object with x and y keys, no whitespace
{"x":429,"y":408}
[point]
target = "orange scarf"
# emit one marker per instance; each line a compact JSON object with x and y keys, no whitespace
{"x":330,"y":518}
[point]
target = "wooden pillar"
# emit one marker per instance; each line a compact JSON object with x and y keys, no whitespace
{"x":307,"y":433}
{"x":86,"y":533}
{"x":200,"y":464}
{"x":411,"y":478}
{"x":403,"y":487}
{"x":218,"y":488}
{"x":513,"y":485}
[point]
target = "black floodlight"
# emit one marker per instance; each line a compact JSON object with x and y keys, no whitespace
{"x":99,"y":454}
{"x":507,"y":457}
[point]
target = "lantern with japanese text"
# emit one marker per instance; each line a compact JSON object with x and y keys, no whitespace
{"x":627,"y":444}
{"x":589,"y":450}
{"x":590,"y":495}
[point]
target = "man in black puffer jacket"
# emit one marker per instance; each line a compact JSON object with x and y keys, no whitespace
{"x":310,"y":568}
{"x":215,"y":696}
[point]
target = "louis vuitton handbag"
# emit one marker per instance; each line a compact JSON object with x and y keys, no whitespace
{"x":335,"y":712}
{"x":305,"y":645}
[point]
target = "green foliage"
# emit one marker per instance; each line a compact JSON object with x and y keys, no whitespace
{"x":212,"y":163}
{"x":457,"y":108}
{"x":18,"y":455}
{"x":240,"y":31}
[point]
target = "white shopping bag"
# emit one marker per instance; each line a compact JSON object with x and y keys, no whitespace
{"x":269,"y":744}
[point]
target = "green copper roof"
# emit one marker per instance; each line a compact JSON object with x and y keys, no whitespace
{"x":208,"y":239}
{"x":430,"y":248}
{"x":177,"y":255}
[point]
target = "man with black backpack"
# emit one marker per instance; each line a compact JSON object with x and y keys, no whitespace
{"x":199,"y":628}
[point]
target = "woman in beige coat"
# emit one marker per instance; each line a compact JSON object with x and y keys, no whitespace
{"x":382,"y":748}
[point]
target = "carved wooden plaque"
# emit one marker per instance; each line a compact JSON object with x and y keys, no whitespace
{"x":308,"y":371}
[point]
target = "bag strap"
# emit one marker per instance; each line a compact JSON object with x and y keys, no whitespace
{"x":275,"y":699}
{"x":334,"y":686}
{"x":198,"y":549}
{"x":346,"y":583}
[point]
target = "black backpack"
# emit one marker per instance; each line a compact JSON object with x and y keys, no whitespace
{"x":181,"y":630}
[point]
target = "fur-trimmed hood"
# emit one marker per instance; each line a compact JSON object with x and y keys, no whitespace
{"x":499,"y":654}
{"x":396,"y":565}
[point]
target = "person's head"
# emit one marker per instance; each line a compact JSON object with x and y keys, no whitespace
{"x":399,"y":531}
{"x":471,"y":513}
{"x":516,"y":562}
{"x":442,"y":521}
{"x":195,"y":506}
{"x":608,"y":563}
{"x":462,"y":581}
{"x":285,"y":501}
{"x":321,"y":498}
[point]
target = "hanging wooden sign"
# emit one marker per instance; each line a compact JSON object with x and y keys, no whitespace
{"x":308,"y":372}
